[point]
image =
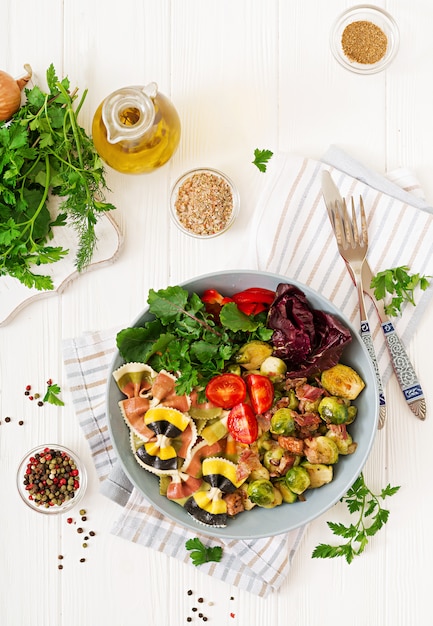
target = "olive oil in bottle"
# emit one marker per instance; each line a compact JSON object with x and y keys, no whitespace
{"x":136,"y":129}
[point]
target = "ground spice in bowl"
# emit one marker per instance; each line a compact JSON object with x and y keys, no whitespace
{"x":364,"y":39}
{"x":204,"y":203}
{"x":364,"y":42}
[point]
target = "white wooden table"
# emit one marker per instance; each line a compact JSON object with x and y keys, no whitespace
{"x":243,"y":74}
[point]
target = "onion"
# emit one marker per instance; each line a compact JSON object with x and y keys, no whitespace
{"x":10,"y":92}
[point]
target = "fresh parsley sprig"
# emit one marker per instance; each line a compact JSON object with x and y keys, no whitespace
{"x":203,"y":554}
{"x":261,"y":158}
{"x":400,"y":284}
{"x":52,"y":395}
{"x":44,"y":152}
{"x":371,"y":518}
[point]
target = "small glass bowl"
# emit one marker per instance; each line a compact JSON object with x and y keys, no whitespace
{"x":380,"y":18}
{"x":55,"y":508}
{"x":205,"y":217}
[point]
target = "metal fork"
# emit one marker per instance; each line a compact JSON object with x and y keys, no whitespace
{"x":353,"y":245}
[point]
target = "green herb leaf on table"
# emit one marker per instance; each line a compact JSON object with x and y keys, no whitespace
{"x":400,"y":285}
{"x":52,"y":395}
{"x":45,"y":153}
{"x":203,"y":554}
{"x":371,"y":518}
{"x":261,"y":158}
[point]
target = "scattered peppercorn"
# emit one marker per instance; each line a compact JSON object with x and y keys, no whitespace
{"x":82,"y":560}
{"x":189,"y":619}
{"x":200,"y":614}
{"x":84,"y":545}
{"x":37,"y":395}
{"x":204,"y":618}
{"x":82,"y":511}
{"x":86,"y":538}
{"x":60,"y":566}
{"x":40,"y":403}
{"x":80,"y":530}
{"x":92,"y":533}
{"x":200,"y":600}
{"x":7,"y":419}
{"x":60,"y":556}
{"x":21,"y":422}
{"x":84,"y":518}
{"x":194,"y":608}
{"x":27,"y":393}
{"x":28,"y":387}
{"x":69,"y":520}
{"x":189,"y":592}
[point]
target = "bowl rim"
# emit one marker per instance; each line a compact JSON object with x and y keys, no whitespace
{"x":229,"y":532}
{"x":63,"y":508}
{"x":173,"y":194}
{"x":384,"y":19}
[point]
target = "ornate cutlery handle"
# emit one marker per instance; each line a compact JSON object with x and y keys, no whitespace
{"x":404,"y":371}
{"x":368,"y":342}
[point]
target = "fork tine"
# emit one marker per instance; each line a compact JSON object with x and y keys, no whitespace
{"x":364,"y":228}
{"x":348,"y":228}
{"x":354,"y":224}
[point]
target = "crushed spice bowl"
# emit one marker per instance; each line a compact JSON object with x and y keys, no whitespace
{"x":51,"y":479}
{"x":204,"y":203}
{"x":365,"y":39}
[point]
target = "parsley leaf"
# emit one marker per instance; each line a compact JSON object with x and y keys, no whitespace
{"x":400,"y":284}
{"x":44,"y":152}
{"x":202,"y":554}
{"x":261,"y":158}
{"x":51,"y":395}
{"x":371,"y":518}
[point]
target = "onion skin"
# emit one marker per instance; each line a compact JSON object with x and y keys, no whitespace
{"x":10,"y":92}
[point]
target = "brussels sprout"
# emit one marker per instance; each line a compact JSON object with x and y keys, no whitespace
{"x":293,"y":400}
{"x":263,"y":493}
{"x":319,"y":473}
{"x":334,"y":410}
{"x":297,"y":479}
{"x":282,"y":422}
{"x":259,"y":473}
{"x":311,"y":406}
{"x":288,"y":495}
{"x":264,"y":442}
{"x":321,"y":450}
{"x":273,"y":457}
{"x":248,"y":505}
{"x":341,"y":380}
{"x":344,"y":443}
{"x":274,"y":368}
{"x":252,"y":354}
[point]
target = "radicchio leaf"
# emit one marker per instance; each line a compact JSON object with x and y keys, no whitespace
{"x":307,"y":339}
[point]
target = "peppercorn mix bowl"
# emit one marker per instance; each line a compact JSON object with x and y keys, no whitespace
{"x":204,"y":203}
{"x":365,"y":39}
{"x":51,"y":479}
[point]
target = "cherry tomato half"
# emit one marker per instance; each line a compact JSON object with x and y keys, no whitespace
{"x":226,"y":390}
{"x":261,"y":392}
{"x":242,"y":424}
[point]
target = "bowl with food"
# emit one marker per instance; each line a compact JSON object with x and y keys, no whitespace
{"x":241,"y":404}
{"x":51,"y":479}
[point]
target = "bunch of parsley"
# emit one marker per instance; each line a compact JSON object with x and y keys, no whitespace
{"x":184,"y":338}
{"x":44,"y":152}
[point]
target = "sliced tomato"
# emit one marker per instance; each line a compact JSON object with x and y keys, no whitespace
{"x":242,"y":423}
{"x":260,"y":391}
{"x":226,"y":390}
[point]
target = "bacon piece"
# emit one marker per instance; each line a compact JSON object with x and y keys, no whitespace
{"x":235,"y":502}
{"x":292,"y":444}
{"x":248,"y":461}
{"x":308,"y":392}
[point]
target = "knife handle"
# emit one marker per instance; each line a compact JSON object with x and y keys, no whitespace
{"x":404,"y":371}
{"x":368,"y":342}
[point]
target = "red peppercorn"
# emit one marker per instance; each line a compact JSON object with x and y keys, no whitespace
{"x":76,"y":484}
{"x":30,"y":397}
{"x":69,"y":520}
{"x":49,"y":382}
{"x":74,"y":472}
{"x":28,"y":387}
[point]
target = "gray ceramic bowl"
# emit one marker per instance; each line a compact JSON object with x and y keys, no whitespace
{"x":259,"y":522}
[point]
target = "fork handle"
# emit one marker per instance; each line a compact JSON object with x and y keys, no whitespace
{"x":404,"y":371}
{"x":368,"y":342}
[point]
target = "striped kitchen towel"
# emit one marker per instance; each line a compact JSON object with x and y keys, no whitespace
{"x":259,"y":566}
